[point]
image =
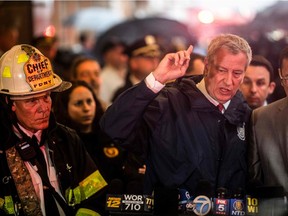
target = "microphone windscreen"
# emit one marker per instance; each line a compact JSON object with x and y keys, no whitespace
{"x":183,"y":194}
{"x":134,"y":187}
{"x":165,"y":201}
{"x":204,"y":187}
{"x":222,"y":193}
{"x":116,"y":186}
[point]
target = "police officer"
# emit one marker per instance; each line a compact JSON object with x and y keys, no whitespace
{"x":144,"y":56}
{"x":45,"y":170}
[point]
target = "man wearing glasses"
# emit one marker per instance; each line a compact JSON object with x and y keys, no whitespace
{"x":268,"y":151}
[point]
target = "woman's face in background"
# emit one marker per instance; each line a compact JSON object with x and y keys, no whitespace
{"x":82,"y":107}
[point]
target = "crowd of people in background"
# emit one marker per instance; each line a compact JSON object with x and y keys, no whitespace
{"x":146,"y":120}
{"x":114,"y":69}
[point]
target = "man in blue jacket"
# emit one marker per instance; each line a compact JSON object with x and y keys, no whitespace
{"x":186,"y":138}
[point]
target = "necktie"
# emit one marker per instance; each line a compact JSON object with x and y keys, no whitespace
{"x":50,"y":204}
{"x":221,"y":107}
{"x":39,"y":155}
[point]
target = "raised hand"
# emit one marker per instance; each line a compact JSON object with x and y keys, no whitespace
{"x":173,"y":66}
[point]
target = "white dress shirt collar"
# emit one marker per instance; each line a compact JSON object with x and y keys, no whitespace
{"x":202,"y":88}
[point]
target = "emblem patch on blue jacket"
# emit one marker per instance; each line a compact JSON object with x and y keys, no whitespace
{"x":241,"y":132}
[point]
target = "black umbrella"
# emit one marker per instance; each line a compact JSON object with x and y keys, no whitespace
{"x":166,"y":30}
{"x":272,"y":17}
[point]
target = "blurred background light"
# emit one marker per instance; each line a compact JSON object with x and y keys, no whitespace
{"x":50,"y":31}
{"x":206,"y":16}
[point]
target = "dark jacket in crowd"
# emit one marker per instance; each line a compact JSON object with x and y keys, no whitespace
{"x":185,"y":137}
{"x":108,"y":157}
{"x":128,"y":84}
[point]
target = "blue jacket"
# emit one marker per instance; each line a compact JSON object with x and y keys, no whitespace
{"x":184,"y":136}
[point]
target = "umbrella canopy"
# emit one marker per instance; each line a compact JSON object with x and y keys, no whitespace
{"x":131,"y":30}
{"x":94,"y":18}
{"x":272,"y":17}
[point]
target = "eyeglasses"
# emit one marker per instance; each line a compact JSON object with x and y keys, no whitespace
{"x":284,"y":80}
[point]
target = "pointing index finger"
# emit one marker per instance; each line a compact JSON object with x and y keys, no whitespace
{"x":190,"y":49}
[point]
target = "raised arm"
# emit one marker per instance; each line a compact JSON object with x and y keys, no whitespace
{"x":124,"y":116}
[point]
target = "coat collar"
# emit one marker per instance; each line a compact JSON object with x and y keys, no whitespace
{"x":283,"y":104}
{"x":236,"y":113}
{"x":8,"y":137}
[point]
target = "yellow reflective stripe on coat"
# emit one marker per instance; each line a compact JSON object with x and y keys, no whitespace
{"x":89,"y":186}
{"x":73,"y":197}
{"x":1,"y":203}
{"x":86,"y":212}
{"x":8,"y":206}
{"x":92,"y":184}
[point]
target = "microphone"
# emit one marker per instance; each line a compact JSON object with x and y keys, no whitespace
{"x":132,"y":202}
{"x":237,"y":204}
{"x":221,"y":203}
{"x":114,"y":197}
{"x":267,"y":200}
{"x":183,"y":199}
{"x":202,"y":205}
{"x":252,"y":205}
{"x":165,"y":201}
{"x":134,"y":187}
{"x":204,"y":187}
{"x":125,"y":204}
{"x":116,"y":186}
{"x":148,"y":203}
